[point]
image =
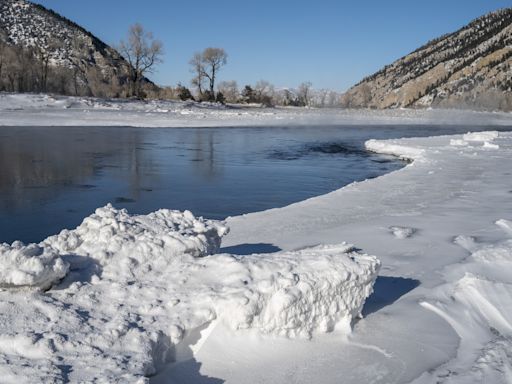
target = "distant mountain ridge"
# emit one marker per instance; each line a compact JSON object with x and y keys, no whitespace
{"x":470,"y":68}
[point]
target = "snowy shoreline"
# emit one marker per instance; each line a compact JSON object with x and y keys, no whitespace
{"x":432,"y":224}
{"x":441,"y":311}
{"x":47,"y":110}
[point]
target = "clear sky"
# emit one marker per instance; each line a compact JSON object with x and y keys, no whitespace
{"x":332,"y":43}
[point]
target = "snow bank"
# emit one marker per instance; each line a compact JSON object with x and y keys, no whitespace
{"x":47,"y":110}
{"x":478,"y":305}
{"x":29,"y":266}
{"x":140,"y":289}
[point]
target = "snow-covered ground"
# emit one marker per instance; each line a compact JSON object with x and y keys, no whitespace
{"x":37,"y":110}
{"x":140,"y":297}
{"x":133,"y":293}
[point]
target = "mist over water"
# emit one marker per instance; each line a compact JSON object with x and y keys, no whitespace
{"x":52,"y":177}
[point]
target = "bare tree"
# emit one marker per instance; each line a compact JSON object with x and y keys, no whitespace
{"x":230,"y":90}
{"x":214,"y":59}
{"x":206,"y":66}
{"x":79,"y":58}
{"x":23,"y":68}
{"x":197,"y":68}
{"x":142,"y":53}
{"x":304,"y":93}
{"x":265,"y":93}
{"x":3,"y":60}
{"x":333,"y":99}
{"x":43,"y":58}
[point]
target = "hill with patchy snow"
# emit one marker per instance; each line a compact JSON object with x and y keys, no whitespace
{"x":56,"y":39}
{"x":468,"y":68}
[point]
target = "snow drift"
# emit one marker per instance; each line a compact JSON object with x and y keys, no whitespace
{"x":477,"y":303}
{"x":139,"y":288}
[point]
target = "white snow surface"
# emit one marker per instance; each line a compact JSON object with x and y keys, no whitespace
{"x":29,"y":266}
{"x":139,"y":287}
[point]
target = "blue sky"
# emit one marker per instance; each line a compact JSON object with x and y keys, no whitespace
{"x":331,"y":43}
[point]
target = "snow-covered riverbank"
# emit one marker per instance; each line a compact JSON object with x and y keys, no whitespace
{"x":139,"y":297}
{"x":46,"y":110}
{"x":441,"y":226}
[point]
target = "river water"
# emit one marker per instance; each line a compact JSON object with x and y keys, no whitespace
{"x":52,"y":177}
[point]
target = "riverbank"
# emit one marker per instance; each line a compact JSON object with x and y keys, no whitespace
{"x":48,"y":110}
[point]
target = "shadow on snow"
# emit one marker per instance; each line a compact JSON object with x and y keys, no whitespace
{"x":249,"y":249}
{"x":386,"y":291}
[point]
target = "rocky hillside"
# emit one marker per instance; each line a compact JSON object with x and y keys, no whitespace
{"x":470,"y":68}
{"x":52,"y":38}
{"x":28,"y":24}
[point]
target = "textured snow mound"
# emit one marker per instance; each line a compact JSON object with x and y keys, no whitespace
{"x":29,"y":266}
{"x":297,"y":293}
{"x":121,"y":242}
{"x":141,"y":288}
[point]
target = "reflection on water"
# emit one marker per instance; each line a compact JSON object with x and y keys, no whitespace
{"x":38,"y":164}
{"x":52,"y":177}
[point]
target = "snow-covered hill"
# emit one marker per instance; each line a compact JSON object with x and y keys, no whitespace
{"x":25,"y":24}
{"x":468,"y":68}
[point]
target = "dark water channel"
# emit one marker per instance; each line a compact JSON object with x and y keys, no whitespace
{"x":52,"y":177}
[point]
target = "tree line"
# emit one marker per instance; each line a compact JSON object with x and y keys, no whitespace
{"x":34,"y":69}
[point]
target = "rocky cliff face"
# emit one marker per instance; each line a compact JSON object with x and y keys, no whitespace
{"x":470,"y":68}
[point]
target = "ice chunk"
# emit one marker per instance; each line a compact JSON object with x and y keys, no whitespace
{"x":297,"y":293}
{"x":390,"y":147}
{"x":29,"y":266}
{"x":481,"y":136}
{"x":402,"y":232}
{"x":490,"y":145}
{"x":458,"y":143}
